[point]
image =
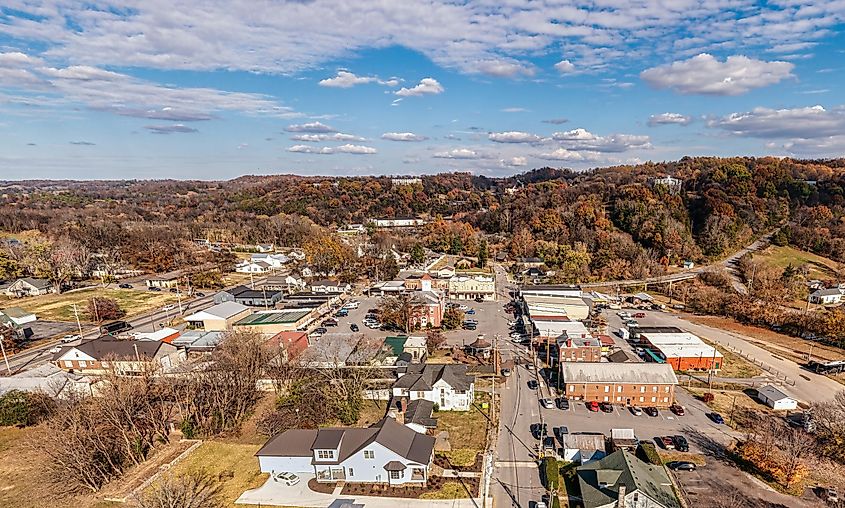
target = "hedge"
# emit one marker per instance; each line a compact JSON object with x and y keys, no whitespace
{"x":551,"y":473}
{"x":648,"y":453}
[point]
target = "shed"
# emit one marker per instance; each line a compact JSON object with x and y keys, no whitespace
{"x":775,"y":398}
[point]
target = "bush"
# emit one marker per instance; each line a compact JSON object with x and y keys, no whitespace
{"x":551,"y":473}
{"x":708,"y":397}
{"x":647,"y":452}
{"x":23,"y":408}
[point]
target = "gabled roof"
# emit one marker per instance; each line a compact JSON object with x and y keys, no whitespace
{"x":223,"y":310}
{"x":419,"y":412}
{"x":828,"y":292}
{"x":423,"y":377}
{"x":600,"y":480}
{"x":773,"y":393}
{"x":101,"y":348}
{"x":36,"y":283}
{"x":16,"y":312}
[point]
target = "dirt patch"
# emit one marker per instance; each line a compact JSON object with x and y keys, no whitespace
{"x":443,"y":460}
{"x":137,"y":475}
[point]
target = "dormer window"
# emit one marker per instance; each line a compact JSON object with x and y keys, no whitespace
{"x":325,"y":454}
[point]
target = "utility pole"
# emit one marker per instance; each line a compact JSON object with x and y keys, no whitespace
{"x":76,"y":315}
{"x":810,"y":353}
{"x":5,"y":359}
{"x":178,"y":296}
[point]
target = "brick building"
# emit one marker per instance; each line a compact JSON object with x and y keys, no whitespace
{"x":578,"y":349}
{"x":630,"y":384}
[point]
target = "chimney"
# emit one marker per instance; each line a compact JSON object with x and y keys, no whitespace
{"x":621,"y":502}
{"x":568,"y":342}
{"x":403,"y":406}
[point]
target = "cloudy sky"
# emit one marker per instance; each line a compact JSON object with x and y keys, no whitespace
{"x":215,"y":89}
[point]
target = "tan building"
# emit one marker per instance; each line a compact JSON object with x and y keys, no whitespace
{"x":218,"y":318}
{"x":471,"y":287}
{"x":630,"y":384}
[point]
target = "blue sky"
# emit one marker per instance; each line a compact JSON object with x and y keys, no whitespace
{"x":213,"y":90}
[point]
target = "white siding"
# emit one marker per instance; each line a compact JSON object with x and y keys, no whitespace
{"x":285,"y":464}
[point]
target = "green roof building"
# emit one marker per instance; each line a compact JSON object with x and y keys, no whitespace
{"x":621,"y":474}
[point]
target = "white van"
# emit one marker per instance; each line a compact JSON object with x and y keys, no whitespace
{"x":350,"y":305}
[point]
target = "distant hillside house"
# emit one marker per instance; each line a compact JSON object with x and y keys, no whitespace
{"x":407,"y":222}
{"x":406,"y":181}
{"x":671,"y":183}
{"x":830,"y":296}
{"x":29,"y":286}
{"x":252,"y":267}
{"x":272,"y":260}
{"x":165,"y":280}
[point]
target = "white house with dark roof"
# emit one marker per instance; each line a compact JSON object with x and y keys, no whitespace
{"x":388,"y":452}
{"x":252,"y":267}
{"x":448,"y":386}
{"x":830,"y":296}
{"x":29,"y":286}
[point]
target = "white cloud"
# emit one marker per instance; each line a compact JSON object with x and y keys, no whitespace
{"x":515,"y":162}
{"x":669,"y":119}
{"x":513,"y":110}
{"x":329,"y":150}
{"x":504,"y":68}
{"x":458,"y":153}
{"x":704,"y":74}
{"x":581,"y":139}
{"x":514,"y":137}
{"x":170,"y":129}
{"x":561,"y":154}
{"x":317,"y":138}
{"x":403,"y":136}
{"x":565,"y":67}
{"x":346,"y":79}
{"x":311,"y":127}
{"x":426,"y":86}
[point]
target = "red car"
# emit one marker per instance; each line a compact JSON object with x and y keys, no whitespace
{"x":677,"y":409}
{"x":639,"y":315}
{"x":593,"y":406}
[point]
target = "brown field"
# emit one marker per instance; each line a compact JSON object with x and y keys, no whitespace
{"x":53,"y":307}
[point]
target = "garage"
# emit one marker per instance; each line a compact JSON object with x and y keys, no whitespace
{"x":776,"y":398}
{"x":288,"y":452}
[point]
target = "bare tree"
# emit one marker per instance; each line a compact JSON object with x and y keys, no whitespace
{"x":58,"y":262}
{"x":196,"y":489}
{"x":796,"y":445}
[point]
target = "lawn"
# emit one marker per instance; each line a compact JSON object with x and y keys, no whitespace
{"x":53,"y":307}
{"x":449,"y":490}
{"x":735,"y":366}
{"x":372,"y":411}
{"x":233,"y":463}
{"x":820,"y":267}
{"x":467,"y":431}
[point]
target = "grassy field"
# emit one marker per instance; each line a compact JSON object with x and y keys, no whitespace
{"x":735,"y":366}
{"x":234,"y":463}
{"x":53,"y":307}
{"x":467,"y":431}
{"x":820,"y":267}
{"x":449,"y":490}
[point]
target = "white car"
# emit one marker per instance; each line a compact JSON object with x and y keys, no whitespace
{"x":286,"y":478}
{"x":547,"y":403}
{"x":70,"y":338}
{"x":55,"y":349}
{"x":350,"y":305}
{"x":463,"y":307}
{"x":169,"y":306}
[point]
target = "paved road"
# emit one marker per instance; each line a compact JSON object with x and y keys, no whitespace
{"x":808,"y":387}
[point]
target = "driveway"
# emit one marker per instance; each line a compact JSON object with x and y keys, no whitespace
{"x":276,"y":494}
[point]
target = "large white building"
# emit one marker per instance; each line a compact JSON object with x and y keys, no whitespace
{"x":388,"y":453}
{"x":471,"y":287}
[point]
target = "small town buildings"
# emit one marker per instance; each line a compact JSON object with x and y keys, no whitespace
{"x":415,"y":346}
{"x":583,"y":448}
{"x":672,"y":184}
{"x":406,"y":181}
{"x":165,"y":335}
{"x":260,"y":297}
{"x":430,"y":307}
{"x":578,"y":349}
{"x":480,"y":347}
{"x":29,"y":286}
{"x":252,"y":267}
{"x":272,"y":260}
{"x":623,"y":356}
{"x":829,"y":296}
{"x":290,"y":344}
{"x":218,"y":317}
{"x":630,"y":384}
{"x":621,"y":479}
{"x":776,"y":398}
{"x":352,"y":229}
{"x":126,"y":357}
{"x":198,"y":341}
{"x":165,"y":280}
{"x":530,"y":262}
{"x":472,"y":287}
{"x":388,"y":452}
{"x":417,"y":416}
{"x":540,"y":306}
{"x":17,"y":316}
{"x":330,"y":286}
{"x":283,"y":283}
{"x":272,"y":322}
{"x":682,"y":350}
{"x":448,"y":386}
{"x":264,"y":247}
{"x":49,"y":380}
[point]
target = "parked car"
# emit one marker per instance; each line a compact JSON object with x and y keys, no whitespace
{"x":471,"y":312}
{"x":286,"y":478}
{"x":540,"y":504}
{"x":651,"y":411}
{"x":199,"y":295}
{"x":532,"y":384}
{"x":547,"y":403}
{"x":329,"y":322}
{"x":506,"y":372}
{"x":169,"y":306}
{"x":677,"y":409}
{"x":560,"y":432}
{"x":174,"y":290}
{"x":717,"y":418}
{"x":125,"y":286}
{"x":681,"y":465}
{"x":321,"y":330}
{"x":463,"y":307}
{"x":681,"y":443}
{"x":639,"y":315}
{"x":635,"y":411}
{"x":55,"y":349}
{"x":562,"y":403}
{"x":341,"y":313}
{"x":479,"y":299}
{"x":350,"y":305}
{"x":666,"y":442}
{"x":153,"y":288}
{"x":470,"y":326}
{"x":354,"y":327}
{"x":606,"y":407}
{"x":70,"y":338}
{"x":549,"y":444}
{"x":593,"y":406}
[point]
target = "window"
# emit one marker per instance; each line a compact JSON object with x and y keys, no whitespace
{"x":606,"y":389}
{"x":82,"y":364}
{"x":654,"y":389}
{"x":351,"y":472}
{"x":605,"y":398}
{"x":641,"y":399}
{"x":665,"y":399}
{"x":654,"y":399}
{"x":618,"y":399}
{"x":642,"y":389}
{"x":325,"y":454}
{"x":396,"y":475}
{"x":369,"y":454}
{"x":666,"y":389}
{"x":420,"y":395}
{"x":68,"y":364}
{"x":571,"y":388}
{"x":619,"y":389}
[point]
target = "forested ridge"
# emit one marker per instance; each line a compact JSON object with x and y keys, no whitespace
{"x":612,"y":222}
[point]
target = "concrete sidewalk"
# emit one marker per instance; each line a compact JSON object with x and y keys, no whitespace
{"x":276,"y":494}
